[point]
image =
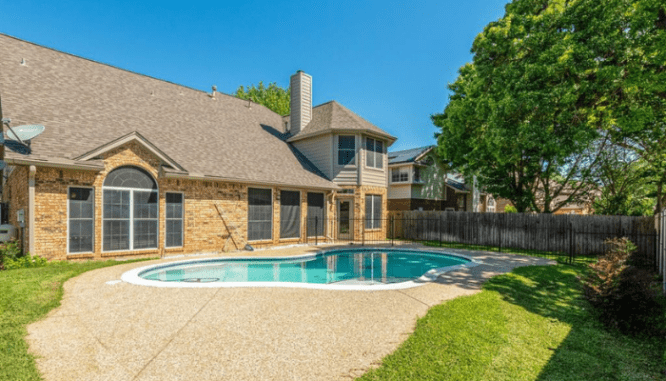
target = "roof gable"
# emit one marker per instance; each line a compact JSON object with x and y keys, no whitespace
{"x":333,"y":117}
{"x":131,"y":137}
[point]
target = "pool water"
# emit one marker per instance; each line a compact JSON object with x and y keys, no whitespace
{"x":358,"y":266}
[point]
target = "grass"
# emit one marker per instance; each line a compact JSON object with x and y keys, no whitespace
{"x":26,"y":295}
{"x":530,"y":324}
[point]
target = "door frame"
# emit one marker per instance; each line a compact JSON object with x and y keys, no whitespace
{"x":350,"y":234}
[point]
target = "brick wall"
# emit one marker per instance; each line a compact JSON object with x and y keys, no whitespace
{"x":203,"y":231}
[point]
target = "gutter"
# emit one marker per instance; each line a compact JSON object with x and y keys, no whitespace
{"x":51,"y":164}
{"x":197,"y":176}
{"x":31,"y":209}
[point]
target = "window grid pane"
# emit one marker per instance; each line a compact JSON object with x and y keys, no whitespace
{"x":260,"y":214}
{"x":369,"y":152}
{"x":346,"y":150}
{"x":81,"y":220}
{"x":174,"y":220}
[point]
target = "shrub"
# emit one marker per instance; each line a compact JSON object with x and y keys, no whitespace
{"x":25,"y":261}
{"x":626,"y":297}
{"x":510,"y":209}
{"x":8,"y":251}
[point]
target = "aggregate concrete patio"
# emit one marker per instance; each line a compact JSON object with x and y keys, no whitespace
{"x":127,"y":332}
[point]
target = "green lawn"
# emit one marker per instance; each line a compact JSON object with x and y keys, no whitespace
{"x":26,"y":295}
{"x":530,"y":324}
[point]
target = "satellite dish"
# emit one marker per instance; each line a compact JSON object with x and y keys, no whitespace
{"x":18,"y":147}
{"x":25,"y":132}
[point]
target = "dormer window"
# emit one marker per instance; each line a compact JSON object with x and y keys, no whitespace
{"x":374,"y":153}
{"x":346,"y":150}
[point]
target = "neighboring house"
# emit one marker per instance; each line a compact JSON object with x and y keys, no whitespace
{"x":419,"y":181}
{"x":581,"y":204}
{"x":132,"y":165}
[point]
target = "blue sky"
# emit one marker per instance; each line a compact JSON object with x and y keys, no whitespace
{"x":388,"y":61}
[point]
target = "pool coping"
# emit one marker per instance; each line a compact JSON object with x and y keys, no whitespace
{"x":132,"y":276}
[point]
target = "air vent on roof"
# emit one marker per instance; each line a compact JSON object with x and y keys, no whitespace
{"x":214,"y":92}
{"x":23,"y":63}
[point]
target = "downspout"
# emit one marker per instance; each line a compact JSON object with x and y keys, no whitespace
{"x":31,"y":209}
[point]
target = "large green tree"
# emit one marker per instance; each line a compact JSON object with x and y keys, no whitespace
{"x":272,"y":96}
{"x":551,"y":84}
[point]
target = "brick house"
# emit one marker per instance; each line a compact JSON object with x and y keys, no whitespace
{"x":418,"y":180}
{"x":130,"y":165}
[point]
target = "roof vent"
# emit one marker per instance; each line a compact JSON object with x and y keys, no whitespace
{"x":23,"y":63}
{"x":212,"y":95}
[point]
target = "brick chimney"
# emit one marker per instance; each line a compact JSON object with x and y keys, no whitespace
{"x":301,"y":101}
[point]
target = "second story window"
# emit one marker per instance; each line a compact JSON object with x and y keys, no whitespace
{"x":374,"y":153}
{"x":346,"y":150}
{"x":399,"y":175}
{"x":417,"y":174}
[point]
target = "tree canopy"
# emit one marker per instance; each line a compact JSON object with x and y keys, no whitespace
{"x":272,"y":96}
{"x":552,"y":85}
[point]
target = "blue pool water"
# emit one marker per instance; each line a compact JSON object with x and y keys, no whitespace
{"x":357,"y":266}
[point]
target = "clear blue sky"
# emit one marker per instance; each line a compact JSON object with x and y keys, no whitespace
{"x":388,"y":61}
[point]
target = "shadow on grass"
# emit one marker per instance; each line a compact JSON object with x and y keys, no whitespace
{"x":590,"y":351}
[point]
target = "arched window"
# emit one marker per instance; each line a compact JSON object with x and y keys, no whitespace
{"x":130,"y":212}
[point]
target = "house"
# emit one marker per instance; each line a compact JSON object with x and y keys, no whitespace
{"x":130,"y":165}
{"x":419,"y":181}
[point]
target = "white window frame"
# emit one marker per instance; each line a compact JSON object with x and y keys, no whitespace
{"x":372,"y":211}
{"x":375,"y":153}
{"x":401,"y":171}
{"x":131,"y":218}
{"x":182,"y":231}
{"x":272,"y":215}
{"x":94,"y":219}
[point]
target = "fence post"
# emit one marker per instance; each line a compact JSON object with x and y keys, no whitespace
{"x":363,"y":232}
{"x":316,"y":230}
{"x":571,"y":242}
{"x":440,"y":230}
{"x":392,"y":229}
{"x":499,"y":233}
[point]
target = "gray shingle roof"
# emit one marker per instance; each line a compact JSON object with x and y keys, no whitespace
{"x":407,"y":156}
{"x":331,"y":116}
{"x":85,"y":105}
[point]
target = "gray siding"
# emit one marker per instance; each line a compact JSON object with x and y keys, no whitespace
{"x":318,"y":151}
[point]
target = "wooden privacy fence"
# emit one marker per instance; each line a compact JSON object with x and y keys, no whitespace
{"x":570,"y":235}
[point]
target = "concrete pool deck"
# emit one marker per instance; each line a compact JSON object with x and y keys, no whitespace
{"x":119,"y":331}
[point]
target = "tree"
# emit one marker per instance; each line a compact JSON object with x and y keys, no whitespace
{"x":272,"y":96}
{"x":511,"y":119}
{"x":626,"y":183}
{"x":551,"y":84}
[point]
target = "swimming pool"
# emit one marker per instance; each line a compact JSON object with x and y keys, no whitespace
{"x":347,"y":269}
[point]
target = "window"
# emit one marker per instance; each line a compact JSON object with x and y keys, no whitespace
{"x":130,"y":210}
{"x":399,"y":175}
{"x":315,"y":214}
{"x":174,"y":219}
{"x":260,"y":214}
{"x":374,"y":153}
{"x":290,"y":214}
{"x":346,"y":150}
{"x":417,"y":174}
{"x":81,"y":220}
{"x":373,"y":211}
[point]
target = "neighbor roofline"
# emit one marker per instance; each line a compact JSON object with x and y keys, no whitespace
{"x":132,"y":136}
